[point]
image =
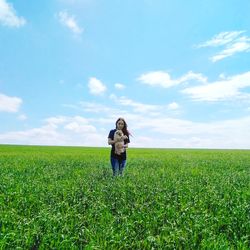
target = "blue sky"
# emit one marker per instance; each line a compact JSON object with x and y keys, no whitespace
{"x":177,"y":71}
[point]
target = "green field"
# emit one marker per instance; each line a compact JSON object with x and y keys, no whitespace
{"x":66,"y":198}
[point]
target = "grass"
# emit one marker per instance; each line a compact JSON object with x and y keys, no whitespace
{"x":66,"y":198}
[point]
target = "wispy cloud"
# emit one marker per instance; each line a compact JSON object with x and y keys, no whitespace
{"x":96,"y":87}
{"x":138,"y":107}
{"x":163,"y":79}
{"x":100,"y":109}
{"x":96,"y":107}
{"x":120,"y":86}
{"x":70,"y":22}
{"x":231,"y":42}
{"x":222,"y":38}
{"x":173,"y":106}
{"x":224,"y":89}
{"x":22,"y":117}
{"x":9,"y":103}
{"x":8,"y":16}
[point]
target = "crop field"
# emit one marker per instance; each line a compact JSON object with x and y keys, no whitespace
{"x":66,"y":198}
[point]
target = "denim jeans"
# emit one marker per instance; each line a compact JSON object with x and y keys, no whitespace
{"x":117,"y":166}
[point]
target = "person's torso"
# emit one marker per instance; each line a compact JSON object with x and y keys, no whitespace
{"x":123,"y":155}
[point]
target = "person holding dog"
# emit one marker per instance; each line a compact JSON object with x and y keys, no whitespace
{"x":118,"y":161}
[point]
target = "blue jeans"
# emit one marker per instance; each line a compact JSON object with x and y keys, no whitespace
{"x":117,"y":166}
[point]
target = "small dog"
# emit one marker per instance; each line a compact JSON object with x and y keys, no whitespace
{"x":119,"y":137}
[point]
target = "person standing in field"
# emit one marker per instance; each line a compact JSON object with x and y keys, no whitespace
{"x":118,"y":161}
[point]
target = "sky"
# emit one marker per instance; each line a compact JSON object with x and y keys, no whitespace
{"x":177,"y":71}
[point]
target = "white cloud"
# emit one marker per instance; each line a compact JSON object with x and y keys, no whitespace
{"x":96,"y":87}
{"x":221,"y":39}
{"x":102,"y":110}
{"x":232,"y":49}
{"x":163,"y":79}
{"x":119,"y":86}
{"x":60,"y":130}
{"x":70,"y":22}
{"x":96,"y":107}
{"x":142,"y":108}
{"x":79,"y":128}
{"x":192,"y":76}
{"x":79,"y":125}
{"x":8,"y":15}
{"x":55,"y":121}
{"x":22,"y":117}
{"x":173,"y":106}
{"x":138,"y":107}
{"x":10,"y":104}
{"x":157,"y":78}
{"x":177,"y":133}
{"x":160,"y":131}
{"x":45,"y":135}
{"x":67,"y":122}
{"x":224,"y":89}
{"x":232,"y":43}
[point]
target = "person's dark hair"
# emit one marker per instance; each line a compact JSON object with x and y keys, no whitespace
{"x":125,"y":128}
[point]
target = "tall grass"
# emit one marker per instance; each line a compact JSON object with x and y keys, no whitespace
{"x":66,"y":198}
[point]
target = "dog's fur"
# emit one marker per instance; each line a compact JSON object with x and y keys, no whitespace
{"x":119,"y":137}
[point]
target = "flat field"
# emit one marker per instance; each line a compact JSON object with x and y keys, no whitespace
{"x":66,"y":198}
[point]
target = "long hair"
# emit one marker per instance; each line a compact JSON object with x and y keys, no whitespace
{"x":125,"y":128}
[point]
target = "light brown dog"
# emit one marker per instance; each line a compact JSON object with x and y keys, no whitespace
{"x":119,"y":137}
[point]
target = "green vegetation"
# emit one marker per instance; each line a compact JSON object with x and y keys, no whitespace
{"x":66,"y":198}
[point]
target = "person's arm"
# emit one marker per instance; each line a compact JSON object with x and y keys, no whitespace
{"x":111,"y":138}
{"x":111,"y":142}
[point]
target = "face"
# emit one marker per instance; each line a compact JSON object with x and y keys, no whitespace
{"x":120,"y":124}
